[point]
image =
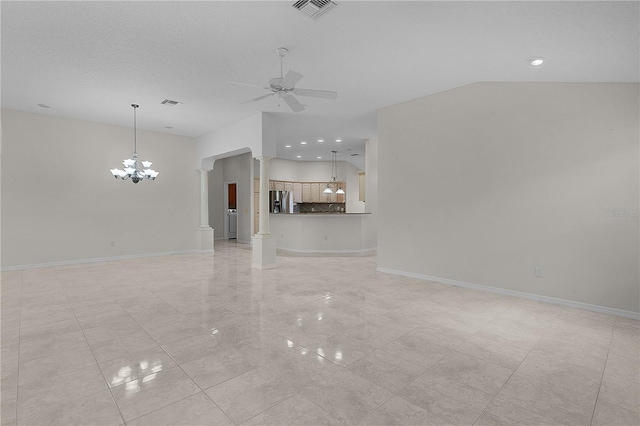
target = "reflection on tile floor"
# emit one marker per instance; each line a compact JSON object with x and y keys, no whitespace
{"x":205,"y":339}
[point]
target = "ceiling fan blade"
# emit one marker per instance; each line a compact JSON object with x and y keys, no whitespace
{"x":327,"y":94}
{"x":259,"y":98}
{"x":290,"y":80}
{"x":248,"y":84}
{"x":293,"y":103}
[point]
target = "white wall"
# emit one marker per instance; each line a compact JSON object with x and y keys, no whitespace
{"x":501,"y":177}
{"x":303,"y":171}
{"x":255,"y":134}
{"x":60,"y":203}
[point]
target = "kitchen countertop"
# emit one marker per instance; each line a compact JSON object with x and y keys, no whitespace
{"x":318,"y":214}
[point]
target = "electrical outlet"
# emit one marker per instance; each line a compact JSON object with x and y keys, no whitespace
{"x":538,"y":271}
{"x":326,"y":238}
{"x":112,"y":243}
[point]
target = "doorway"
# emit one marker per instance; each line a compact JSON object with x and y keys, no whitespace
{"x":231,"y":203}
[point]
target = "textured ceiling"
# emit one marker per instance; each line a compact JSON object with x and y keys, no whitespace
{"x":90,"y":60}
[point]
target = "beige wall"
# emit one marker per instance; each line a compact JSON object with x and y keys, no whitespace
{"x":60,"y":202}
{"x":494,"y":179}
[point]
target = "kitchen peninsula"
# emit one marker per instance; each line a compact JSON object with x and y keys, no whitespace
{"x":322,"y":232}
{"x":305,"y":219}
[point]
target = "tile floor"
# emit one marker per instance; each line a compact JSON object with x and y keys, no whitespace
{"x":202,"y":339}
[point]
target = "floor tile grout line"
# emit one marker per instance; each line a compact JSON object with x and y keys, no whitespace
{"x":507,"y":381}
{"x":516,"y":369}
{"x":394,"y":394}
{"x":451,"y":378}
{"x":595,"y":404}
{"x":342,"y":368}
{"x":19,"y":347}
{"x":450,"y":350}
{"x":528,"y":353}
{"x":91,"y":350}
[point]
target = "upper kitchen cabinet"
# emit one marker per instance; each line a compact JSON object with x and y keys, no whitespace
{"x":306,"y":192}
{"x":297,"y":192}
{"x":315,"y":192}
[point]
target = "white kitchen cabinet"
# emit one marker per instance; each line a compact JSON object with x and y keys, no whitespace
{"x":315,"y":192}
{"x":306,"y":192}
{"x":297,"y":192}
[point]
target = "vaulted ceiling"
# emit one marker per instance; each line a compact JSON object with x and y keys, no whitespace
{"x":91,"y":59}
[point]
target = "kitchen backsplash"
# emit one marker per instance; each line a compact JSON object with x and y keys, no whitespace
{"x":319,"y":208}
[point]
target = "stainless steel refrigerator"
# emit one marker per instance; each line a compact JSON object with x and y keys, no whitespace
{"x":280,"y":202}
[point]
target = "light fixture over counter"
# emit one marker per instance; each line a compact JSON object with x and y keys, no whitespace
{"x":334,"y":176}
{"x":133,"y":169}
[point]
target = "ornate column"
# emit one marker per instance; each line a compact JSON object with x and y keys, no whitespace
{"x":264,"y":245}
{"x":206,"y":232}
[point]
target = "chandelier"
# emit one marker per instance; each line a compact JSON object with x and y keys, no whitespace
{"x":334,"y":176}
{"x":134,"y":169}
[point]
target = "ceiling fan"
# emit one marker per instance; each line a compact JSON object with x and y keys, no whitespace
{"x":285,"y":87}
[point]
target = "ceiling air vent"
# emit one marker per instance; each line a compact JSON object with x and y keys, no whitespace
{"x":314,"y":8}
{"x":170,"y":102}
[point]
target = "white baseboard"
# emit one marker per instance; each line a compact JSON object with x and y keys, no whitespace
{"x":101,"y":259}
{"x":356,"y":251}
{"x":530,"y":296}
{"x":272,"y":266}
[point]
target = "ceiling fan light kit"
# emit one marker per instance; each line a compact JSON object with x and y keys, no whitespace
{"x":285,"y":87}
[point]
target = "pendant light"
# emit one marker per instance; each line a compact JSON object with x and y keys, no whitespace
{"x":334,"y":176}
{"x":133,"y":169}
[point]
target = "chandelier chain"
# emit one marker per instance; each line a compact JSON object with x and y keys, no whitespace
{"x":135,"y":140}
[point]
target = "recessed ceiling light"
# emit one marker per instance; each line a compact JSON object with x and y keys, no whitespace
{"x":536,"y":62}
{"x":44,"y":106}
{"x":320,"y":140}
{"x":303,"y":143}
{"x":287,"y":146}
{"x":319,"y":158}
{"x":298,"y":156}
{"x":338,"y":140}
